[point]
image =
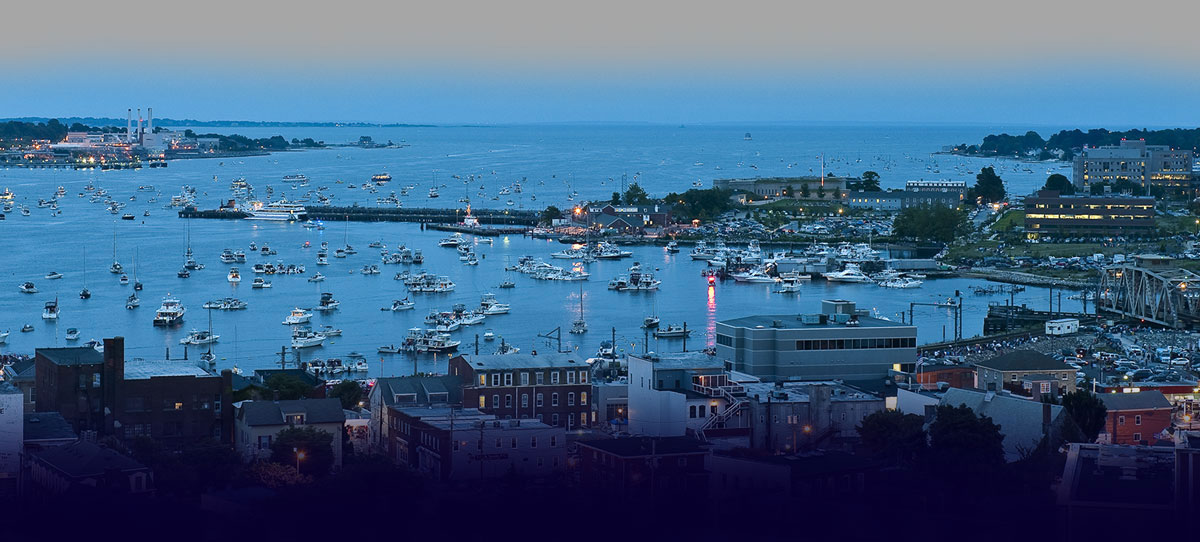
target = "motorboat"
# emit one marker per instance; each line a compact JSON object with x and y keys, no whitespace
{"x":28,"y":288}
{"x":4,"y":336}
{"x":370,"y":270}
{"x":54,"y":275}
{"x":85,"y":294}
{"x":259,"y":283}
{"x":429,"y":340}
{"x":508,"y":284}
{"x":400,"y":305}
{"x":72,"y":334}
{"x":124,"y":280}
{"x":388,"y":349}
{"x":851,"y":273}
{"x":50,"y":312}
{"x":453,"y":241}
{"x":307,"y":338}
{"x":330,"y":331}
{"x":671,"y":332}
{"x":318,"y":277}
{"x":132,"y":302}
{"x":202,"y":336}
{"x":673,"y":247}
{"x":901,"y":282}
{"x":753,"y":276}
{"x":170,"y":313}
{"x":327,"y":303}
{"x":650,"y":322}
{"x":26,"y":328}
{"x":489,"y":335}
{"x":297,"y":317}
{"x":635,"y":280}
{"x":235,"y":275}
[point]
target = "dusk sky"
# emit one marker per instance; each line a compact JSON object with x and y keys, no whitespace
{"x":938,"y":61}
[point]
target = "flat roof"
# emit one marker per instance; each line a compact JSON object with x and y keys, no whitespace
{"x":792,"y":322}
{"x":682,"y":360}
{"x":75,"y":355}
{"x":550,"y":360}
{"x":141,"y":369}
{"x":799,"y":391}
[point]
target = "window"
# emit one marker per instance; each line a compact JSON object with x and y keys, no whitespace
{"x":507,"y":379}
{"x":1045,"y":387}
{"x":692,"y":411}
{"x":496,"y":401}
{"x":32,"y":394}
{"x":524,"y":379}
{"x":583,"y":377}
{"x":570,"y":377}
{"x":264,"y":442}
{"x":495,"y":379}
{"x":1120,"y":420}
{"x":553,"y":441}
{"x":571,"y":398}
{"x":508,"y":400}
{"x":1137,"y":436}
{"x":1137,"y":420}
{"x":583,"y":418}
{"x":533,"y":442}
{"x":482,"y":401}
{"x":554,"y":419}
{"x":541,"y":377}
{"x":514,"y":442}
{"x":294,"y":419}
{"x":700,"y":411}
{"x":583,"y":398}
{"x":539,"y":399}
{"x":95,"y":380}
{"x":554,"y":377}
{"x":482,"y":380}
{"x":524,"y":400}
{"x":554,"y":400}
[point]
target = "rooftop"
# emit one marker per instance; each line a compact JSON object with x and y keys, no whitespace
{"x":433,"y":414}
{"x":47,"y":426}
{"x":792,"y":321}
{"x":141,"y":369}
{"x":646,"y":446}
{"x":80,"y":355}
{"x":800,"y":392}
{"x":1020,"y":420}
{"x":83,"y":459}
{"x":682,"y":360}
{"x":257,"y":413}
{"x":551,"y":360}
{"x":20,"y":371}
{"x":420,"y":387}
{"x":1135,"y":401}
{"x":1024,"y":360}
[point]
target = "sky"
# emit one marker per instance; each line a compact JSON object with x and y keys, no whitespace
{"x":1095,"y":63}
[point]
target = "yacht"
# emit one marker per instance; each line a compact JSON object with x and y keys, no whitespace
{"x":280,"y":211}
{"x":400,"y":305}
{"x":327,"y":303}
{"x":235,"y":275}
{"x":28,"y":288}
{"x":753,"y":276}
{"x":72,"y":334}
{"x":671,"y":332}
{"x":852,"y":273}
{"x":202,"y":336}
{"x":307,"y":338}
{"x":259,"y":283}
{"x":297,"y":317}
{"x":51,"y":310}
{"x":453,"y":241}
{"x":317,"y":277}
{"x":132,"y":302}
{"x":54,"y":275}
{"x":170,"y":313}
{"x":650,"y":322}
{"x":489,"y":306}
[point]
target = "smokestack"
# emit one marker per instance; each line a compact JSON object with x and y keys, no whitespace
{"x":150,"y":120}
{"x":139,"y":126}
{"x":129,"y":125}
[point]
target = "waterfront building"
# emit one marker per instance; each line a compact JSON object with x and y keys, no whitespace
{"x":451,"y":443}
{"x":896,"y":200}
{"x":1011,"y":370}
{"x":172,"y":401}
{"x":947,"y":186}
{"x":552,"y":388}
{"x":840,"y":342}
{"x":1135,"y":418}
{"x":258,"y":424}
{"x":678,"y":393}
{"x":1050,"y":214}
{"x":834,"y":188}
{"x":1148,"y":166}
{"x":786,"y":417}
{"x":625,"y":218}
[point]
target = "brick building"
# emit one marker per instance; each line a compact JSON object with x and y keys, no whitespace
{"x":1135,"y":418}
{"x":552,"y":388}
{"x":390,"y":394}
{"x":644,"y":465}
{"x":173,"y":402}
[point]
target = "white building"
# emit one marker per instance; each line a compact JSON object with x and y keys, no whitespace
{"x":676,"y":394}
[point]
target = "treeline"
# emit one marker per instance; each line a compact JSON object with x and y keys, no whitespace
{"x":699,"y":203}
{"x":241,"y":143}
{"x":1066,"y":143}
{"x":16,"y":132}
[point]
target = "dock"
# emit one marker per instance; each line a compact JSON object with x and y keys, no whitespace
{"x":500,"y":217}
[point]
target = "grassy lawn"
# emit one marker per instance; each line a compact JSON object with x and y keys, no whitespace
{"x":1178,"y":224}
{"x":1009,"y":220}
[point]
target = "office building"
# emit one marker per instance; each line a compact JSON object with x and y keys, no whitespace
{"x":1151,"y":167}
{"x":1050,"y":214}
{"x":840,"y":342}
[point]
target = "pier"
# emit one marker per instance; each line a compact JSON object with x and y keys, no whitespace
{"x":507,"y":217}
{"x":1005,"y":318}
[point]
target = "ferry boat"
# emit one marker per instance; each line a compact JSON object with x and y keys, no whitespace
{"x":852,"y":273}
{"x":281,"y":211}
{"x":202,"y":336}
{"x":51,"y":310}
{"x":307,"y":338}
{"x":234,"y":275}
{"x":297,"y":317}
{"x":170,"y":313}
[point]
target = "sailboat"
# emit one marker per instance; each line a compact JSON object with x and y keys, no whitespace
{"x":137,"y":284}
{"x":84,"y":293}
{"x":115,"y":268}
{"x":190,"y":262}
{"x":580,"y":325}
{"x":651,"y":321}
{"x":208,"y":356}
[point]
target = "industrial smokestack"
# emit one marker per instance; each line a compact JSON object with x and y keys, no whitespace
{"x":129,"y":125}
{"x":150,"y":120}
{"x":139,"y":127}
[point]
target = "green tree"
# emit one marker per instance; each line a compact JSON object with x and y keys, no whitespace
{"x":963,"y":444}
{"x":988,"y":186}
{"x":287,"y":387}
{"x":616,"y":198}
{"x":1060,"y":183}
{"x":1087,"y":410}
{"x":315,"y":444}
{"x":870,"y":181}
{"x":804,"y":192}
{"x":787,"y":191}
{"x":551,"y":214}
{"x":930,"y":223}
{"x":893,"y":436}
{"x":820,"y":192}
{"x":348,"y":392}
{"x":635,"y":195}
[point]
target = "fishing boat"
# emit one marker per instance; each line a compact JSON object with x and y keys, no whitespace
{"x":671,"y":332}
{"x":132,"y":302}
{"x":28,"y":288}
{"x":200,"y":337}
{"x":306,"y":338}
{"x":170,"y":313}
{"x":72,"y":334}
{"x":54,"y":275}
{"x":235,"y":275}
{"x":50,"y":312}
{"x":297,"y":317}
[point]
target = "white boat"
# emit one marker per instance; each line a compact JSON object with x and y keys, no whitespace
{"x":282,"y":211}
{"x":297,"y":317}
{"x":51,"y":310}
{"x":201,"y":336}
{"x":851,"y":273}
{"x":54,"y":275}
{"x":259,"y":283}
{"x":753,"y":276}
{"x":489,"y":306}
{"x":452,"y":241}
{"x":330,"y":331}
{"x":132,"y":302}
{"x":72,"y":334}
{"x":307,"y":338}
{"x":901,"y":282}
{"x":370,"y":270}
{"x":170,"y":313}
{"x":317,"y":277}
{"x":489,"y":335}
{"x":671,"y":332}
{"x":328,"y":303}
{"x":401,"y":305}
{"x":388,"y":349}
{"x":235,"y":275}
{"x":650,"y":322}
{"x":28,"y":288}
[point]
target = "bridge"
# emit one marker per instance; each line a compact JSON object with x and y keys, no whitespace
{"x":1151,"y":289}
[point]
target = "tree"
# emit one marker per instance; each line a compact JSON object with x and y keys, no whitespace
{"x":317,"y":446}
{"x":635,"y":195}
{"x":988,"y":186}
{"x":965,"y":445}
{"x":551,"y":214}
{"x":870,"y":181}
{"x":616,"y":198}
{"x":287,"y":387}
{"x":804,"y":192}
{"x":1087,"y":410}
{"x":930,"y":223}
{"x":787,"y":191}
{"x":820,"y":192}
{"x":1060,"y":183}
{"x":348,"y":392}
{"x":893,"y":436}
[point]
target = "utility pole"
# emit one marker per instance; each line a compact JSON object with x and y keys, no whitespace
{"x":283,"y":357}
{"x":685,"y":336}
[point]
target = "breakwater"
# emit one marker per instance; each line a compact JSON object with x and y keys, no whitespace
{"x":356,"y":213}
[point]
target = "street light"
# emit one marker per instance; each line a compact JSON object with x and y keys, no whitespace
{"x":299,"y":456}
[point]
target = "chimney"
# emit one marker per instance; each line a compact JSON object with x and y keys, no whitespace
{"x":139,"y":126}
{"x":150,"y":120}
{"x":129,"y":125}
